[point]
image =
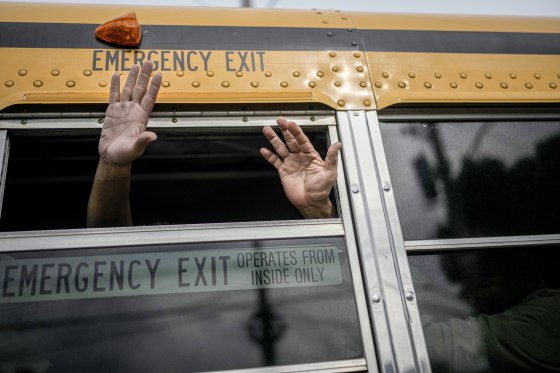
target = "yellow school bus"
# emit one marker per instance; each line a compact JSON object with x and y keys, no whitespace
{"x":442,"y":255}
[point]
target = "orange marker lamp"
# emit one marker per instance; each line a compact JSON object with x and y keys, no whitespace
{"x":124,"y":30}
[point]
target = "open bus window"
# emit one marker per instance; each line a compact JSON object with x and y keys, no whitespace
{"x":490,"y":310}
{"x":180,"y":307}
{"x":184,"y":177}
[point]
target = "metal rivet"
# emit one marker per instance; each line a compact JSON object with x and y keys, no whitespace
{"x":553,"y":85}
{"x":478,"y":85}
{"x":37,"y":83}
{"x":537,"y":75}
{"x":335,"y":68}
{"x":386,"y":187}
{"x":268,"y":74}
{"x":488,"y":76}
{"x":332,"y":54}
{"x":341,"y":103}
{"x":357,"y":54}
{"x":296,"y":74}
{"x":513,"y":76}
{"x":174,"y":120}
{"x":318,"y":12}
{"x":437,"y":75}
{"x":355,"y":190}
{"x":70,"y":83}
{"x":356,"y":114}
{"x":23,"y":121}
{"x":385,"y":75}
{"x":337,"y":83}
{"x":329,"y":33}
{"x":55,"y":72}
{"x":503,"y":85}
{"x":463,"y":76}
{"x":312,"y":119}
{"x":22,"y":72}
{"x":225,"y":84}
{"x":245,"y":119}
{"x":87,"y":72}
{"x":354,"y":43}
{"x":210,"y":73}
{"x":9,"y":83}
{"x":103,"y":83}
{"x":453,"y":85}
{"x":165,"y":84}
{"x":254,"y":84}
{"x":375,"y":298}
{"x":180,"y":73}
{"x":428,"y":85}
{"x":363,"y":84}
{"x":320,"y":74}
{"x":378,"y":84}
{"x":360,"y":69}
{"x":412,"y":75}
{"x":367,"y":102}
{"x":238,"y":74}
{"x":312,"y":84}
{"x":100,"y":120}
{"x":283,"y":84}
{"x":409,"y":296}
{"x":401,"y":84}
{"x":195,"y":84}
{"x":528,"y":85}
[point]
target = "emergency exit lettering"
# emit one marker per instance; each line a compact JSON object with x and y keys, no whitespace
{"x":179,"y":60}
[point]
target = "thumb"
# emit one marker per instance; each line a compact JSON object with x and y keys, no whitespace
{"x":142,"y":142}
{"x":331,"y":160}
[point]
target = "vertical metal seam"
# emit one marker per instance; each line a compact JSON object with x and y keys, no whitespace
{"x":4,"y":154}
{"x":355,"y":269}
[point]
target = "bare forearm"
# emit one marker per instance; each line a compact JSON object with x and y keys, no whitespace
{"x":108,"y":204}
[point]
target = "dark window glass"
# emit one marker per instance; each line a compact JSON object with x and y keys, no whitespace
{"x":199,"y":320}
{"x":490,"y":311}
{"x":454,"y":180}
{"x":182,"y":178}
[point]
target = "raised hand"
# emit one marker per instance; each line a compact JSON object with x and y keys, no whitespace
{"x":307,"y":178}
{"x":124,"y":137}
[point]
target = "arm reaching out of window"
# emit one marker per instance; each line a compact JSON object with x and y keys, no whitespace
{"x":123,"y":139}
{"x":307,"y":178}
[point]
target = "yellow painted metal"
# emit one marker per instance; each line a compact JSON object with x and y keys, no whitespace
{"x":343,"y":80}
{"x":463,"y":78}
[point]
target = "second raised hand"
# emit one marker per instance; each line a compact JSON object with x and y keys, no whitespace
{"x":307,"y":178}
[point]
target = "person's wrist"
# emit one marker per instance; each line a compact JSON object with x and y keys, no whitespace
{"x":112,"y":170}
{"x":323,"y":209}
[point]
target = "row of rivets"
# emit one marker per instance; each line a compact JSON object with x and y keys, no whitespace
{"x":478,"y":85}
{"x":463,"y":75}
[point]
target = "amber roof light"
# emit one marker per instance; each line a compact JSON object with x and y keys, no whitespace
{"x":124,"y":30}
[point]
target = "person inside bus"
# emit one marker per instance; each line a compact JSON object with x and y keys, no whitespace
{"x":307,"y":179}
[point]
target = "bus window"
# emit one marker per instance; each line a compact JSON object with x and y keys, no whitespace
{"x":474,"y":179}
{"x":184,"y":177}
{"x":179,"y":307}
{"x":490,"y":310}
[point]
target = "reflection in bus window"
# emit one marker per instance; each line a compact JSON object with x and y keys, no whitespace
{"x":179,"y":308}
{"x":490,"y":311}
{"x":182,"y":178}
{"x":475,"y":179}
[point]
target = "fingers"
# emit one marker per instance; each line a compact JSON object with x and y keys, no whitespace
{"x":115,"y":92}
{"x":302,"y":140}
{"x":291,"y":142}
{"x":331,"y":160}
{"x":130,"y":83}
{"x":272,"y":158}
{"x":141,"y":86}
{"x":150,"y":98}
{"x":275,"y":141}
